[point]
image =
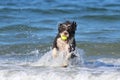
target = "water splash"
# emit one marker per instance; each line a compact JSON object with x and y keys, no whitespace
{"x":48,"y":60}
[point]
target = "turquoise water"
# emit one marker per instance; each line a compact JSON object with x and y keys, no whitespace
{"x":28,"y":28}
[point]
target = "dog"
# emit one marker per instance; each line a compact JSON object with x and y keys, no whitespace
{"x":66,"y":45}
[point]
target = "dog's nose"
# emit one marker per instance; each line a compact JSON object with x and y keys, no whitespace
{"x":65,"y":33}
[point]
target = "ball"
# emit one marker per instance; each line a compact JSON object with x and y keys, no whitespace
{"x":63,"y":37}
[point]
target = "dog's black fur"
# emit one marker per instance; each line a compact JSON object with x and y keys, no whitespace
{"x":70,"y":27}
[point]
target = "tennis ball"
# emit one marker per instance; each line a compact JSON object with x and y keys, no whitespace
{"x":63,"y":37}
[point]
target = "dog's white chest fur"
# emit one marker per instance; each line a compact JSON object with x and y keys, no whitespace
{"x":62,"y":45}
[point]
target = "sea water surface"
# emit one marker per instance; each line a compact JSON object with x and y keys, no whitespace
{"x":28,"y":28}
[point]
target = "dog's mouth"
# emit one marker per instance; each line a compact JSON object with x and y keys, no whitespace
{"x":64,"y":35}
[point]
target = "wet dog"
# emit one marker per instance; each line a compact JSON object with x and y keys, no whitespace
{"x":65,"y":41}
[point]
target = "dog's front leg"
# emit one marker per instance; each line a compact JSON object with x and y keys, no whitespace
{"x":54,"y":53}
{"x":66,"y":60}
{"x":67,"y":56}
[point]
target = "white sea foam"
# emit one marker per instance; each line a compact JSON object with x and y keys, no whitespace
{"x":110,"y":61}
{"x":43,"y":70}
{"x":48,"y":60}
{"x":59,"y":74}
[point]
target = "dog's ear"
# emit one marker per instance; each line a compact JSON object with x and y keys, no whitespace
{"x":74,"y":25}
{"x":59,"y":27}
{"x":60,"y":24}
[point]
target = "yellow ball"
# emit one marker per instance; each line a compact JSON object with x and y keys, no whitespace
{"x":63,"y":37}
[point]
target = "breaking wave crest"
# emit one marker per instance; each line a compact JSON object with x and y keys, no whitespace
{"x":47,"y":68}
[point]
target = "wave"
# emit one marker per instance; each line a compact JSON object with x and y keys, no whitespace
{"x":112,"y":5}
{"x":113,"y":61}
{"x":37,"y":10}
{"x":42,"y":70}
{"x":58,"y":74}
{"x":95,"y":9}
{"x":23,"y":48}
{"x":22,"y":27}
{"x":10,"y":17}
{"x":102,"y":17}
{"x":60,"y":9}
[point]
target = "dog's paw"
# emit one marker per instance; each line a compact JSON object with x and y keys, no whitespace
{"x":68,"y":56}
{"x":65,"y":64}
{"x":54,"y":53}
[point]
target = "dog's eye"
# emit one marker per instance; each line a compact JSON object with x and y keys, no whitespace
{"x":62,"y":28}
{"x":69,"y":27}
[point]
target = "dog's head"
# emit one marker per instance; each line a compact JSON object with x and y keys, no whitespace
{"x":67,"y":28}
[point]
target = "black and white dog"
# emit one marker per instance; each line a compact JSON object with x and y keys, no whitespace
{"x":65,"y":41}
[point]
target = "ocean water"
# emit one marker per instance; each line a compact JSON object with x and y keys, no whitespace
{"x":28,"y":28}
